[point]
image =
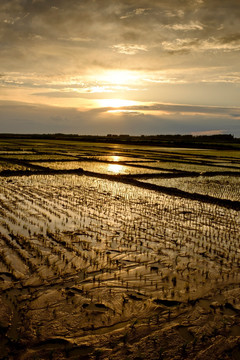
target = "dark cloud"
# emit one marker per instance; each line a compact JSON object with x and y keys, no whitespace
{"x":28,"y":118}
{"x":230,"y":38}
{"x":193,"y":109}
{"x":175,"y":110}
{"x":49,"y":34}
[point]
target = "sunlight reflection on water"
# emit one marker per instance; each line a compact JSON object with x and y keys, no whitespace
{"x":115,"y":158}
{"x":115,"y":168}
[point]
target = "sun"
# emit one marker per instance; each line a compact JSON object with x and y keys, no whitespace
{"x":116,"y":103}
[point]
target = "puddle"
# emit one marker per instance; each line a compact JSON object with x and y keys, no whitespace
{"x":95,"y":307}
{"x":236,"y":354}
{"x":185,"y":334}
{"x":235,"y":331}
{"x":205,"y":304}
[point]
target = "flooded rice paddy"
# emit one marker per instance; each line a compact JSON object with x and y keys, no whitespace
{"x":100,"y":167}
{"x":100,"y":265}
{"x":223,"y":187}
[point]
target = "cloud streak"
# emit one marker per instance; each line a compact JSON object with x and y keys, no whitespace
{"x":129,"y":49}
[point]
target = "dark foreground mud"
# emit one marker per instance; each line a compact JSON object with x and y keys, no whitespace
{"x":63,"y":322}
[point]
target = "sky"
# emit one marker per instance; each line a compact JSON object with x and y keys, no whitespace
{"x":97,"y":67}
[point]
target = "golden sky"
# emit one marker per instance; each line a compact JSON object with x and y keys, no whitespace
{"x":127,"y":66}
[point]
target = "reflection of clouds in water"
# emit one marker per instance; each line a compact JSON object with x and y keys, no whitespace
{"x":115,"y":168}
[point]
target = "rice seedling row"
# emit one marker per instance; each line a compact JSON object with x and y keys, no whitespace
{"x":156,"y":229}
{"x":223,"y":187}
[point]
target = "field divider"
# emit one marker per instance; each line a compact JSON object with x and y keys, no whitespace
{"x":130,"y":179}
{"x":229,"y":204}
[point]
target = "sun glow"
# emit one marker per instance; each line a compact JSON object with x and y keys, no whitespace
{"x":119,"y":77}
{"x":116,"y":103}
